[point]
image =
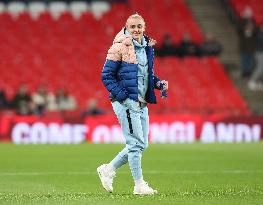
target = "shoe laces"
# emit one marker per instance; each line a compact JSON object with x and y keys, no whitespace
{"x":146,"y":185}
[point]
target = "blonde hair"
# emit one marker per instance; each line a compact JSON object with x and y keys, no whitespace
{"x":135,"y":16}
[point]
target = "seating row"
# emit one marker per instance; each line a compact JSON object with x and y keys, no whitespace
{"x":56,"y":8}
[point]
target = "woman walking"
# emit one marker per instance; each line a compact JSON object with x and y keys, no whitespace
{"x":128,"y":76}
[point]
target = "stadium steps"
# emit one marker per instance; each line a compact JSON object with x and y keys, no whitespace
{"x":212,"y":17}
{"x":254,"y":99}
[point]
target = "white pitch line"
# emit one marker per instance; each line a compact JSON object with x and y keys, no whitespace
{"x":125,"y":172}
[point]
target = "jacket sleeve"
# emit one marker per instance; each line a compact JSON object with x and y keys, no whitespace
{"x":109,"y":75}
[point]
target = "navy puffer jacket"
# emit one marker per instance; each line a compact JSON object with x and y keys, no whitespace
{"x":119,"y":74}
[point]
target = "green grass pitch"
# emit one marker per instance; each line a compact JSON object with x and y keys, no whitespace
{"x":184,"y":174}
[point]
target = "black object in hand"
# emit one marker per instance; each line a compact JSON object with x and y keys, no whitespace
{"x":163,"y":91}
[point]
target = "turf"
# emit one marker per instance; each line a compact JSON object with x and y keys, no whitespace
{"x":191,"y":174}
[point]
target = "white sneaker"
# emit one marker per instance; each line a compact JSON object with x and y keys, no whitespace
{"x":255,"y":86}
{"x":144,"y":189}
{"x":106,"y":176}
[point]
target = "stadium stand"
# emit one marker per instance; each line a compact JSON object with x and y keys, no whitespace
{"x":65,"y":46}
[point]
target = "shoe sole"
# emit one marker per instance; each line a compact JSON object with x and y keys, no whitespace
{"x":140,"y":194}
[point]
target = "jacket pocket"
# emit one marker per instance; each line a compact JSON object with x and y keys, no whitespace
{"x":131,"y":104}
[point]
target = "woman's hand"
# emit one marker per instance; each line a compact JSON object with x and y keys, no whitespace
{"x":165,"y":84}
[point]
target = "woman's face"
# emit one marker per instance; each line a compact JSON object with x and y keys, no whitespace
{"x":136,"y":27}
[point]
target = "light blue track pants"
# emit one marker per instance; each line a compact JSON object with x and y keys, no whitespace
{"x":134,"y":122}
